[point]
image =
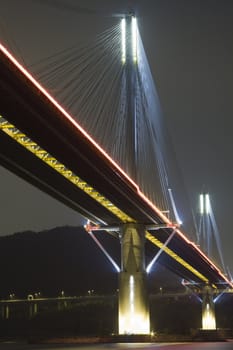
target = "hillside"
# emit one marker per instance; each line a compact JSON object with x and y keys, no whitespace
{"x":64,"y":258}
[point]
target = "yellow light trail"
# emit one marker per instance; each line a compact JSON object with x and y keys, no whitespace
{"x":43,"y":155}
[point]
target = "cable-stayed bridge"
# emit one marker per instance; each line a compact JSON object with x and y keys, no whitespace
{"x":121,"y":186}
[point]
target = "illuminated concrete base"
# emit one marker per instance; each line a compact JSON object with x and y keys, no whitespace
{"x":133,"y":300}
{"x":208,"y":310}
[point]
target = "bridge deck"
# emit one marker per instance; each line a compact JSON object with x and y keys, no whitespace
{"x":32,"y":112}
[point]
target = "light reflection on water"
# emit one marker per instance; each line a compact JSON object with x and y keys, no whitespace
{"x":120,"y":346}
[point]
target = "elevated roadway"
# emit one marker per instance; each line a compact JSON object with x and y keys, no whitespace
{"x":43,"y":144}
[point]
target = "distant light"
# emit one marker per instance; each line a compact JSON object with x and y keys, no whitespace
{"x":207,"y":203}
{"x":87,"y":226}
{"x":205,"y":207}
{"x":123,"y":40}
{"x":134,"y":38}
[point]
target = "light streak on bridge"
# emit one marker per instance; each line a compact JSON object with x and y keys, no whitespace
{"x":51,"y":161}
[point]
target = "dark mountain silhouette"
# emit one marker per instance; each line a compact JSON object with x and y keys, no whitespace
{"x":64,"y":258}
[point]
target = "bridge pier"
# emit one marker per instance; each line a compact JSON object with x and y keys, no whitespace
{"x":5,"y":311}
{"x":208,"y":309}
{"x":133,"y":298}
{"x":33,"y":309}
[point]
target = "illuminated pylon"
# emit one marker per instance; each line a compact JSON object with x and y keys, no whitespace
{"x":133,"y":300}
{"x":208,"y":309}
{"x":208,"y":233}
{"x":204,"y":203}
{"x":204,"y":224}
{"x":129,"y":36}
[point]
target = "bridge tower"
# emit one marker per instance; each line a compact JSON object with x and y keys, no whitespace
{"x":204,"y":230}
{"x":129,"y":62}
{"x":133,"y":301}
{"x":206,"y":235}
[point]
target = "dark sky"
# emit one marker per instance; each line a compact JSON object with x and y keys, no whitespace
{"x":190,"y":49}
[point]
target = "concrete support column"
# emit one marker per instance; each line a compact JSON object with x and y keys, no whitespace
{"x":133,"y":298}
{"x":33,"y":309}
{"x":62,"y":304}
{"x":5,"y":312}
{"x":208,"y":309}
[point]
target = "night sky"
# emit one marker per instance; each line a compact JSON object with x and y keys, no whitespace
{"x":190,"y":49}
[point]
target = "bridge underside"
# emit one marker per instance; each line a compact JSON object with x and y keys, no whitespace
{"x":25,"y":164}
{"x":182,"y":249}
{"x":33,"y":114}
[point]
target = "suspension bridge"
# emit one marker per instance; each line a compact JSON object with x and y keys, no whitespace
{"x":101,"y":152}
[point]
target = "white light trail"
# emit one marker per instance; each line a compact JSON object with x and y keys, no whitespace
{"x":201,"y":204}
{"x":218,"y":297}
{"x":104,"y":251}
{"x":131,"y":288}
{"x":123,"y":40}
{"x":229,"y":274}
{"x":149,"y":266}
{"x":134,"y":38}
{"x":174,"y":207}
{"x":207,"y":203}
{"x":204,"y":204}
